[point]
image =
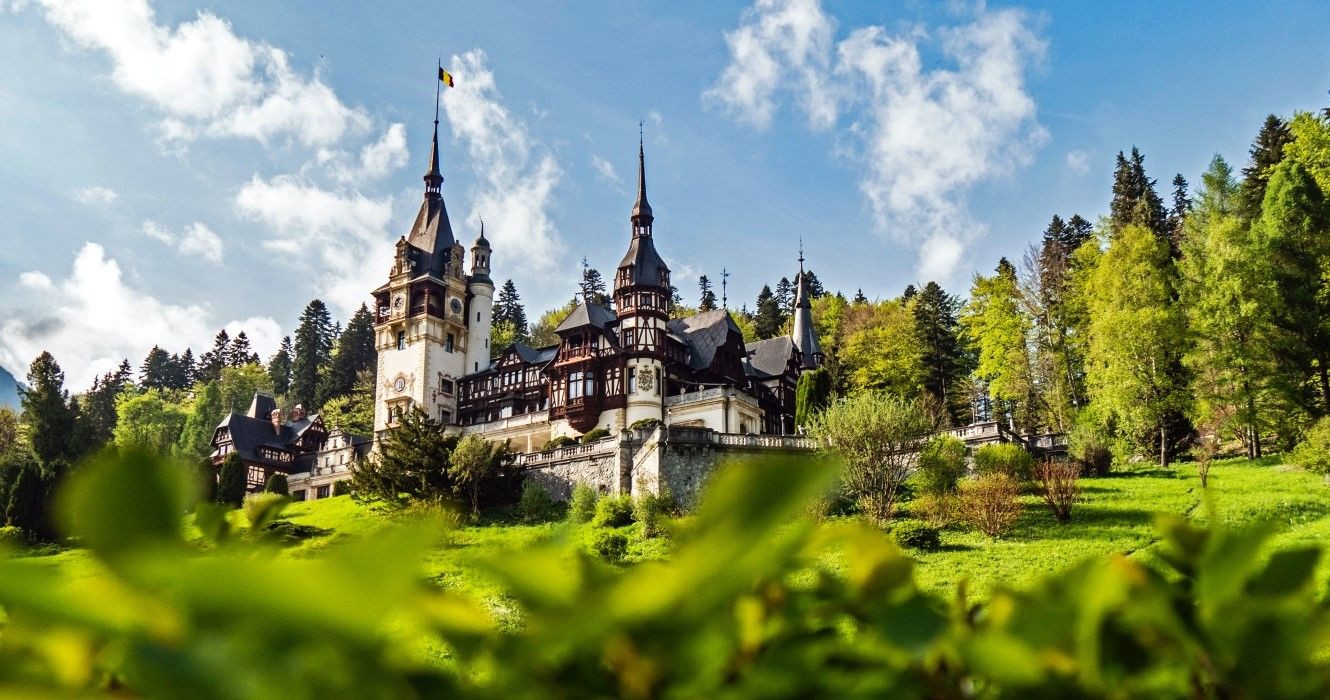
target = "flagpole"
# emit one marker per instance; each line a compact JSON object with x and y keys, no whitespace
{"x":437,"y":88}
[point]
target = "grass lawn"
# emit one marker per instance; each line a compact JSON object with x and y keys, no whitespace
{"x":1115,"y":515}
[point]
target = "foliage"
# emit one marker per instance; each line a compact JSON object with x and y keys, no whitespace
{"x":768,"y":319}
{"x":875,"y":435}
{"x":811,"y":394}
{"x":26,"y":508}
{"x":1004,"y":458}
{"x":48,"y":413}
{"x":508,"y":311}
{"x":582,"y":503}
{"x":613,"y":511}
{"x":263,"y":508}
{"x":1057,"y":481}
{"x":651,"y":509}
{"x":502,"y":335}
{"x":1203,"y":453}
{"x":937,"y":509}
{"x":915,"y":535}
{"x":352,"y":356}
{"x":150,"y":420}
{"x":989,"y":502}
{"x":413,"y":464}
{"x":944,"y":357}
{"x":232,"y":481}
{"x":279,"y":367}
{"x":277,"y":483}
{"x":201,"y":419}
{"x":313,"y":351}
{"x":707,"y":298}
{"x":1313,"y":453}
{"x":998,"y":327}
{"x":341,"y":487}
{"x":941,"y":464}
{"x":556,"y":443}
{"x":881,"y":351}
{"x":354,"y":412}
{"x":644,"y":423}
{"x":239,"y":384}
{"x":535,"y":504}
{"x":474,"y":459}
{"x":594,"y":434}
{"x":1088,"y":443}
{"x":610,"y":544}
{"x":9,"y":430}
{"x":542,"y":331}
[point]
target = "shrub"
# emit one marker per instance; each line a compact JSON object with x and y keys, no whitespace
{"x":341,"y":487}
{"x":644,"y":423}
{"x":263,"y":508}
{"x":611,"y":545}
{"x":535,"y":505}
{"x":277,"y":483}
{"x":811,"y":394}
{"x":594,"y":434}
{"x":874,"y":433}
{"x":941,"y":464}
{"x":917,"y":536}
{"x":614,"y":511}
{"x":1088,"y":444}
{"x":1313,"y":453}
{"x":651,"y":509}
{"x":1204,"y":452}
{"x":988,"y":502}
{"x":1057,"y":481}
{"x":582,"y":504}
{"x":231,"y":481}
{"x":1004,"y":458}
{"x":938,"y":509}
{"x":13,"y":536}
{"x":556,"y":443}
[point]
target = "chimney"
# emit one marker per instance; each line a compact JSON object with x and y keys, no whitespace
{"x":297,"y":413}
{"x":276,"y":417}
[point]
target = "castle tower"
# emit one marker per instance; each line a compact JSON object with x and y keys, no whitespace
{"x":420,"y":315}
{"x":641,"y":298}
{"x":803,"y":333}
{"x":480,"y":310}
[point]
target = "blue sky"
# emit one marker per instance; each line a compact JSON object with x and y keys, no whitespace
{"x":171,"y":168}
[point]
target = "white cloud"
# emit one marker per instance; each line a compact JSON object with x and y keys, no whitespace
{"x":96,"y":194}
{"x":515,"y":175}
{"x":778,"y":42}
{"x":203,"y":77}
{"x":605,"y":170}
{"x":377,"y":159}
{"x":345,"y":232}
{"x":1078,"y":162}
{"x":925,"y":136}
{"x":93,"y":319}
{"x":195,"y":239}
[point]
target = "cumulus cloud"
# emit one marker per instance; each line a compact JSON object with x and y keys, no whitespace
{"x":344,"y":232}
{"x":377,"y":159}
{"x":194,"y":239}
{"x":1078,"y":162}
{"x":204,"y":78}
{"x":92,"y":319}
{"x":924,"y":136}
{"x":96,"y":194}
{"x":515,"y":176}
{"x":605,"y":170}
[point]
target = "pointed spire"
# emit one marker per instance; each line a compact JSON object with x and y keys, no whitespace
{"x":433,"y":178}
{"x":641,"y":217}
{"x":804,"y":334}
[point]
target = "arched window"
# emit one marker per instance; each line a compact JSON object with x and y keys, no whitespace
{"x":589,"y":382}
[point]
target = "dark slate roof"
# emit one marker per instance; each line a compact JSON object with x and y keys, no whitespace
{"x":769,"y":358}
{"x":804,"y":335}
{"x":703,"y":333}
{"x":646,"y":268}
{"x":432,"y":236}
{"x":535,"y":356}
{"x":261,"y":407}
{"x":250,"y":432}
{"x":587,"y":315}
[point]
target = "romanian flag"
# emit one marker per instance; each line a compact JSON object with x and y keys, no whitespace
{"x":446,"y":77}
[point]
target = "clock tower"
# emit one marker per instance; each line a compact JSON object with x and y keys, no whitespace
{"x":420,"y":316}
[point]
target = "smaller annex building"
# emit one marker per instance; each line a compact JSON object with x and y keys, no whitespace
{"x":299,"y":446}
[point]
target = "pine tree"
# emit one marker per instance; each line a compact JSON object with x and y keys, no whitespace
{"x":707,"y":301}
{"x":27,"y":501}
{"x":508,"y":308}
{"x":593,"y":286}
{"x":98,"y":412}
{"x":211,"y":362}
{"x":279,"y":368}
{"x":1134,"y":197}
{"x":207,"y":410}
{"x":1077,"y":232}
{"x":313,"y":351}
{"x":943,"y":354}
{"x":47,"y":411}
{"x":1177,"y":215}
{"x":785,"y":297}
{"x":187,"y":368}
{"x":812,"y":394}
{"x":414,"y":460}
{"x":1266,"y":152}
{"x":768,"y":318}
{"x":814,"y":285}
{"x":355,"y":353}
{"x":859,"y":297}
{"x":155,"y":372}
{"x":239,"y":352}
{"x":232,"y":481}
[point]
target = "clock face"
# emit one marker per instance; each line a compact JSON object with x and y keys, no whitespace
{"x":400,"y":385}
{"x":455,"y":305}
{"x":398,"y":301}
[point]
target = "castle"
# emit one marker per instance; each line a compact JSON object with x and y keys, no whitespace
{"x":645,"y":380}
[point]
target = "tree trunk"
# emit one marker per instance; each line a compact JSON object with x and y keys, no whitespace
{"x":1163,"y":445}
{"x":1325,"y":380}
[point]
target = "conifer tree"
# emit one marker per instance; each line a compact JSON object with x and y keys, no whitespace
{"x":593,"y":285}
{"x":211,"y":362}
{"x":207,"y":410}
{"x":155,"y":372}
{"x":943,"y":353}
{"x":354,"y":354}
{"x":279,"y":368}
{"x":707,"y":301}
{"x":813,"y":284}
{"x":98,"y":412}
{"x":508,"y":308}
{"x":1177,"y":215}
{"x":47,"y":411}
{"x":186,"y":368}
{"x":909,"y":293}
{"x":313,"y":351}
{"x":859,"y":297}
{"x":232,"y":481}
{"x":27,"y":500}
{"x":785,"y":297}
{"x":239,"y":352}
{"x":1134,"y":197}
{"x":768,"y":319}
{"x":1266,"y":152}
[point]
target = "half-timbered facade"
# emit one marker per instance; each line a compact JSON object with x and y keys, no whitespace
{"x":267,"y":444}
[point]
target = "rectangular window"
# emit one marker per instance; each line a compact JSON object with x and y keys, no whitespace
{"x":477,"y":317}
{"x":575,"y":385}
{"x":401,"y":340}
{"x":448,"y":343}
{"x":322,"y":491}
{"x":632,"y":381}
{"x":446,"y":386}
{"x":298,"y":495}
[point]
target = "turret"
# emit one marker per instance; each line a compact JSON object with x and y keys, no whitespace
{"x":803,"y":334}
{"x":480,"y":288}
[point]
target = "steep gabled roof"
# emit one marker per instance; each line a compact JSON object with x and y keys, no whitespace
{"x":769,"y":358}
{"x":587,"y":315}
{"x":703,"y":333}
